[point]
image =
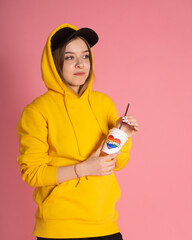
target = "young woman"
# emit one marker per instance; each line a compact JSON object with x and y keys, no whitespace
{"x":61,"y":134}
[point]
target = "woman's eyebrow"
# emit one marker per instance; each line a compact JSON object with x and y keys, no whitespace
{"x":69,"y":52}
{"x":74,"y":52}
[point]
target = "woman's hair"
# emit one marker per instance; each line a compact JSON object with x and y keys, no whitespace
{"x":58,"y":57}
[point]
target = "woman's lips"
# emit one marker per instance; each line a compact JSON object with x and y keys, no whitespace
{"x":79,"y":73}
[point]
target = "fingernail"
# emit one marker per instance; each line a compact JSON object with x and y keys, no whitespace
{"x":125,"y":120}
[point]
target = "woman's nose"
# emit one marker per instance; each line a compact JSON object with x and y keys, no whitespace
{"x":79,"y":63}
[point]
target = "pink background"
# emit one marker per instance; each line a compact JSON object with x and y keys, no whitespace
{"x":144,"y":57}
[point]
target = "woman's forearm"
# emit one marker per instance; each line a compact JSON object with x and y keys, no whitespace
{"x":69,"y":172}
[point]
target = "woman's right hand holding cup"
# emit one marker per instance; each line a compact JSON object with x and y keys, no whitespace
{"x":97,"y":165}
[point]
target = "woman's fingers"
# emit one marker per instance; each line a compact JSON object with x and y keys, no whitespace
{"x":131,"y":121}
{"x":98,"y":151}
{"x":107,"y":163}
{"x":136,"y":128}
{"x":129,"y":118}
{"x":111,"y":163}
{"x":108,"y":172}
{"x":110,"y":156}
{"x":108,"y":169}
{"x":109,"y":166}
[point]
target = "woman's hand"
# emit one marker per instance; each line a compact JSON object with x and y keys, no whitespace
{"x":129,"y":126}
{"x":97,"y":165}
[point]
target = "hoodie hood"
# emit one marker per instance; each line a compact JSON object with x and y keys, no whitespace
{"x":49,"y":72}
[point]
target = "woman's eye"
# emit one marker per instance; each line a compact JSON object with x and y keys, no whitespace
{"x":68,"y":57}
{"x":86,"y":56}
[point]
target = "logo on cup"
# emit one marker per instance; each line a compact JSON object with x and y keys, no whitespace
{"x":113,"y":142}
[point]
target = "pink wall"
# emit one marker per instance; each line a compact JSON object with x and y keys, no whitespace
{"x":144,"y":57}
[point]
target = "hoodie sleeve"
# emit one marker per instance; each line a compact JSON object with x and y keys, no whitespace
{"x":34,"y":159}
{"x":123,"y":158}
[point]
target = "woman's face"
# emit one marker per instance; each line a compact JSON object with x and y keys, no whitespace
{"x":76,"y":64}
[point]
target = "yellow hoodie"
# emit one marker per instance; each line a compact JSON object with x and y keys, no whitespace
{"x":62,"y":129}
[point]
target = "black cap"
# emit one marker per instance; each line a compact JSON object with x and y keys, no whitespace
{"x":65,"y":34}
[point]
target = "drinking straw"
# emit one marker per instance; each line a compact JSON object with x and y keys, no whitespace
{"x":124,"y":115}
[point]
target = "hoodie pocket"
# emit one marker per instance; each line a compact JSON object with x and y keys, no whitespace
{"x":54,"y":206}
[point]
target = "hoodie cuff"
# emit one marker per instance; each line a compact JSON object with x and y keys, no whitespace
{"x":49,"y":176}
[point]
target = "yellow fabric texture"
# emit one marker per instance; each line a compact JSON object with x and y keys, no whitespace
{"x":61,"y":129}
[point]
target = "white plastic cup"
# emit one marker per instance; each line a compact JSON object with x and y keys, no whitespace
{"x":114,"y":141}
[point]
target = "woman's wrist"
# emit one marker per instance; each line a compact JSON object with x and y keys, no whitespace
{"x":80,"y":170}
